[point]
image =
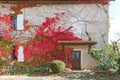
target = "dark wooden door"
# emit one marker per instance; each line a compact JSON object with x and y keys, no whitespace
{"x":76,"y":58}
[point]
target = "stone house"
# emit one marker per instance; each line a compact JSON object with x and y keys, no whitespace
{"x":89,"y":18}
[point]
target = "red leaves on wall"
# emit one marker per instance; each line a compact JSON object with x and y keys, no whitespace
{"x":5,"y":34}
{"x":1,"y":52}
{"x":5,"y":26}
{"x":7,"y":19}
{"x":45,"y":46}
{"x":6,"y":46}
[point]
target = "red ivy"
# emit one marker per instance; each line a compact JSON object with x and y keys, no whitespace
{"x":5,"y":27}
{"x":5,"y":35}
{"x":45,"y":46}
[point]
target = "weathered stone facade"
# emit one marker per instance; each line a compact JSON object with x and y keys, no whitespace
{"x":89,"y":21}
{"x":92,"y":18}
{"x":86,"y":18}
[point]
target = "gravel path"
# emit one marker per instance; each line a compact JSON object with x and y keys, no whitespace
{"x":74,"y":75}
{"x":18,"y":77}
{"x":31,"y":78}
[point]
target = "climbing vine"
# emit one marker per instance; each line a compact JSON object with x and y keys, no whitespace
{"x":44,"y":47}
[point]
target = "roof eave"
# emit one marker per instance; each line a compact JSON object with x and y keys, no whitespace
{"x":77,"y":42}
{"x":54,"y":1}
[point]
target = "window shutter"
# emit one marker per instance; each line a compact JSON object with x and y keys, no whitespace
{"x":20,"y":22}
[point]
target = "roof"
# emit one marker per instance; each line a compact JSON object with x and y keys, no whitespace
{"x":55,"y":1}
{"x":77,"y":42}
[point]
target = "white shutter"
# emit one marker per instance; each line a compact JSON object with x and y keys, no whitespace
{"x":20,"y":22}
{"x":20,"y":54}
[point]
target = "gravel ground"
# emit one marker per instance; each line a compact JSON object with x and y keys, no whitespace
{"x":66,"y":76}
{"x":72,"y":75}
{"x":21,"y":77}
{"x":31,"y":78}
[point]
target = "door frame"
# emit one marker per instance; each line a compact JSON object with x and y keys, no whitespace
{"x":79,"y":50}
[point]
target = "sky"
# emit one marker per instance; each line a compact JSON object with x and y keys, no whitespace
{"x":114,"y":14}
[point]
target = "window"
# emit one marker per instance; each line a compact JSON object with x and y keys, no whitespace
{"x":76,"y":55}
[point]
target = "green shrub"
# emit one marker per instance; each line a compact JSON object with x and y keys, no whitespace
{"x":41,"y":69}
{"x":107,"y":58}
{"x":97,"y":54}
{"x":3,"y":62}
{"x":57,"y":66}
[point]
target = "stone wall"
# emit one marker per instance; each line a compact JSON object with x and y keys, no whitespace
{"x":86,"y":18}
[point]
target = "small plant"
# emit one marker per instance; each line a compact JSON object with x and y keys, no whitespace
{"x":107,"y":58}
{"x":57,"y":66}
{"x":2,"y":62}
{"x":42,"y":70}
{"x":97,"y":54}
{"x":6,"y":47}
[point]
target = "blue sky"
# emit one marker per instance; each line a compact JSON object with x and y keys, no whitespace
{"x":114,"y":13}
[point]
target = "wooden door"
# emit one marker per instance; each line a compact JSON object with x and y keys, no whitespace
{"x":76,"y":57}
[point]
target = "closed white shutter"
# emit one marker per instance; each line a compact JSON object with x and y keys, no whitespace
{"x":20,"y":22}
{"x":20,"y":54}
